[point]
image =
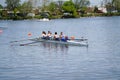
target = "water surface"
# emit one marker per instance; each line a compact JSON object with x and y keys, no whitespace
{"x":41,"y":61}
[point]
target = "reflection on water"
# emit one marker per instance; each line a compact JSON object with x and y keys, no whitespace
{"x":52,"y":47}
{"x":57,"y":47}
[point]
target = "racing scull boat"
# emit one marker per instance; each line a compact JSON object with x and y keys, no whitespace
{"x":80,"y":42}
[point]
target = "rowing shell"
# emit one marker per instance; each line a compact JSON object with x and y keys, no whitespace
{"x":69,"y":42}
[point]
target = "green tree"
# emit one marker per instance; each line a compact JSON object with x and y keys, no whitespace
{"x":12,"y":4}
{"x":95,"y":9}
{"x":81,"y":3}
{"x":1,"y":6}
{"x":59,"y":4}
{"x":15,"y":11}
{"x":112,"y":5}
{"x":26,"y":7}
{"x":52,"y":7}
{"x":116,"y":4}
{"x":1,"y":10}
{"x":108,"y":5}
{"x":44,"y":5}
{"x":68,"y":6}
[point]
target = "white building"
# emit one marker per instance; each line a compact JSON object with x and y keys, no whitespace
{"x":103,"y":9}
{"x":31,"y":14}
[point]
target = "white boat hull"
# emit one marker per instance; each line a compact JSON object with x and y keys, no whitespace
{"x":69,"y":42}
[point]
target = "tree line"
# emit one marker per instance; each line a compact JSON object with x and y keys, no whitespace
{"x":56,"y":8}
{"x":112,"y":4}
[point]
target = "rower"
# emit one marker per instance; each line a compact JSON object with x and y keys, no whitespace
{"x":63,"y":37}
{"x":49,"y":35}
{"x":44,"y":36}
{"x":56,"y":37}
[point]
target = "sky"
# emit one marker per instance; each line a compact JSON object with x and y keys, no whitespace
{"x":93,"y":2}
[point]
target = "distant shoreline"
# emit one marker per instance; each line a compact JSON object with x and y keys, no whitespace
{"x":65,"y":17}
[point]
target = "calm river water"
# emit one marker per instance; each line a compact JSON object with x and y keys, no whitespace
{"x":40,"y":61}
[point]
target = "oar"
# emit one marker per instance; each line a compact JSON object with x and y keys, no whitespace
{"x":28,"y":43}
{"x":29,"y":34}
{"x":81,"y":39}
{"x":21,"y":40}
